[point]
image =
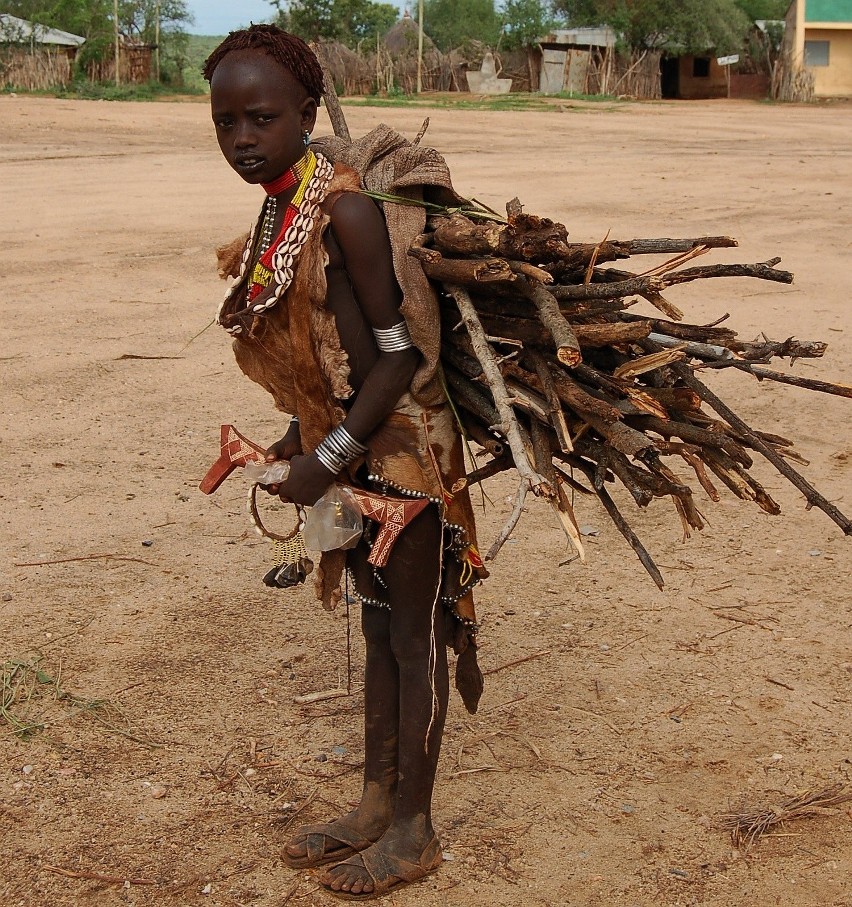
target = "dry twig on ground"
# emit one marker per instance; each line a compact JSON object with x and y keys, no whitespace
{"x":750,"y":824}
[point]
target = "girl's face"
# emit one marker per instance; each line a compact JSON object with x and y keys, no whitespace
{"x":261,"y":114}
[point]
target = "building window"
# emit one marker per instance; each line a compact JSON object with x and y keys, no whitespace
{"x":700,"y":67}
{"x":816,"y":53}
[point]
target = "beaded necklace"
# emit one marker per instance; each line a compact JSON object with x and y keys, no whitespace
{"x":277,"y":257}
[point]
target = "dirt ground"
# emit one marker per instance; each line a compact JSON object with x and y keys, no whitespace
{"x":177,"y":762}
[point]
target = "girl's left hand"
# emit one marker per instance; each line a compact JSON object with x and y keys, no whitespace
{"x":307,"y":482}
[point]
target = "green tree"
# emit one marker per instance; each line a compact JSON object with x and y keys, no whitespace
{"x":348,"y":21}
{"x":684,"y":26}
{"x":524,"y":22}
{"x":80,"y":17}
{"x":764,"y":9}
{"x":93,"y":20}
{"x":364,"y":19}
{"x":138,"y":21}
{"x":451,"y":23}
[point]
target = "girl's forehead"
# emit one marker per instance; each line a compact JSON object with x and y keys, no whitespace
{"x":256,"y":68}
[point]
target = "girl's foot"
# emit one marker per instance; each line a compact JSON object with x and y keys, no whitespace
{"x":329,"y":842}
{"x":395,"y":859}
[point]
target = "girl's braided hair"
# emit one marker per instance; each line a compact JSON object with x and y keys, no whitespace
{"x":288,"y":50}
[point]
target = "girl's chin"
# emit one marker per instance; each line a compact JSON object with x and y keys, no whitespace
{"x":251,"y":173}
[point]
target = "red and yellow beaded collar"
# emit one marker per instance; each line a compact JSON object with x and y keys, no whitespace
{"x":291,"y":177}
{"x":275,"y":265}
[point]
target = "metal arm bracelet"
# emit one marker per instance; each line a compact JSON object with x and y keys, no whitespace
{"x":338,"y":449}
{"x":393,"y":340}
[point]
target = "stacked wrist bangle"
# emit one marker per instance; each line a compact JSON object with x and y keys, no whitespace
{"x":338,"y":449}
{"x":393,"y":340}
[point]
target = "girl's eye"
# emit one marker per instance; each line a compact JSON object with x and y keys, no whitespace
{"x":223,"y":124}
{"x":264,"y":119}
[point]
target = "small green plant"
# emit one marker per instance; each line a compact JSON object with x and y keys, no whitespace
{"x":33,"y":699}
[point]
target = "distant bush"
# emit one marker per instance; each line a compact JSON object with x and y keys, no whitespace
{"x":101,"y":91}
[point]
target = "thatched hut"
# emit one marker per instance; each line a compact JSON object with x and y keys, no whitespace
{"x":34,"y":56}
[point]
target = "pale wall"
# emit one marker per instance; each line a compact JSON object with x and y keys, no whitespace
{"x":836,"y":78}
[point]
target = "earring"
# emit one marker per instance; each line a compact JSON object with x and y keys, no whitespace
{"x":306,"y":138}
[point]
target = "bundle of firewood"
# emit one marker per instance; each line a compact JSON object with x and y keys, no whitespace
{"x":554,"y":376}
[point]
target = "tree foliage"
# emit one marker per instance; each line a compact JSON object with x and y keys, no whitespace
{"x":764,"y":9}
{"x":93,"y":20}
{"x":685,"y":26}
{"x":347,"y":21}
{"x":451,"y":23}
{"x":525,"y":22}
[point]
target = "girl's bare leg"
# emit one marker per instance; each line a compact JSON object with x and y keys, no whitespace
{"x":417,"y":641}
{"x":373,"y":814}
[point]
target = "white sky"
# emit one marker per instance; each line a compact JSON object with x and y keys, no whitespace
{"x":218,"y":17}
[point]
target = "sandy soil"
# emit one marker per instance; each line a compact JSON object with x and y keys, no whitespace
{"x":596,"y":771}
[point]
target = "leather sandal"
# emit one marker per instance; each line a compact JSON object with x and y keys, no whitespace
{"x":387,"y":872}
{"x":235,"y":450}
{"x":319,"y":844}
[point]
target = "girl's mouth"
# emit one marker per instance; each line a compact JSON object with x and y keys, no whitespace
{"x":248,"y":163}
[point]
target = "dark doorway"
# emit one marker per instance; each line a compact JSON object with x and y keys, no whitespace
{"x":670,"y":77}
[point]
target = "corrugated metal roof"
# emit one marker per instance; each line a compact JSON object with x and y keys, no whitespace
{"x":599,"y":36}
{"x":14,"y":30}
{"x":828,"y":11}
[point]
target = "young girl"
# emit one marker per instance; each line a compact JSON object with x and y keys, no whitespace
{"x":315,"y":313}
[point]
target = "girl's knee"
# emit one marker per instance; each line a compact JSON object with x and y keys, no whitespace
{"x":410,"y":647}
{"x":375,"y":625}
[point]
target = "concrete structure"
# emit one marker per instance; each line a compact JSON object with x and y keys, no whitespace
{"x":485,"y":81}
{"x":566,"y":55}
{"x":820,"y":40}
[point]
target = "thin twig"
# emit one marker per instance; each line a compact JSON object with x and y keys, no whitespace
{"x":517,"y":661}
{"x":87,"y":557}
{"x":97,"y":876}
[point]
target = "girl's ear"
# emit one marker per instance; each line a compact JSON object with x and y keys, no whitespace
{"x":309,"y":114}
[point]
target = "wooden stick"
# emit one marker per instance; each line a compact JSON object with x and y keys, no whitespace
{"x":812,"y":384}
{"x":638,"y":285}
{"x":560,"y":503}
{"x":510,"y":524}
{"x":557,"y":417}
{"x":812,"y":496}
{"x":692,"y":434}
{"x":567,"y":345}
{"x":764,"y":270}
{"x":319,"y":696}
{"x":479,"y":434}
{"x":516,"y":662}
{"x":664,"y":246}
{"x":491,"y":468}
{"x":502,"y":398}
{"x":624,"y":528}
{"x":528,"y":330}
{"x":97,"y":876}
{"x":332,"y":102}
{"x":86,"y":557}
{"x":467,"y":271}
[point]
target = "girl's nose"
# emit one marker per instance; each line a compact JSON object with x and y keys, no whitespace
{"x":245,"y":137}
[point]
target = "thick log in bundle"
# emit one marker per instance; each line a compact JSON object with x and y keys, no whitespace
{"x":551,"y":373}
